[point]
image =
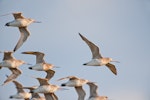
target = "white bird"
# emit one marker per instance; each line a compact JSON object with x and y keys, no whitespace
{"x":93,"y":92}
{"x":77,"y":83}
{"x":35,"y":96}
{"x":40,"y":65}
{"x":12,"y":63}
{"x":21,"y":94}
{"x":97,"y":59}
{"x":22,"y":23}
{"x":47,"y":89}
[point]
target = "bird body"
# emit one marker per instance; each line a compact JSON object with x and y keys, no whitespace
{"x":12,"y":63}
{"x":46,"y":89}
{"x":41,"y":67}
{"x":98,"y":62}
{"x":20,"y":22}
{"x":74,"y":81}
{"x":23,"y":95}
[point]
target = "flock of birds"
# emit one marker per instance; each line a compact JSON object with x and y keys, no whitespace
{"x":46,"y":88}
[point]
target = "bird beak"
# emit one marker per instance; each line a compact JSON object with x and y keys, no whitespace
{"x":37,"y":21}
{"x":115,"y":61}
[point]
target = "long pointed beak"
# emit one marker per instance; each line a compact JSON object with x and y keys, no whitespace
{"x":115,"y":61}
{"x":37,"y":21}
{"x":62,"y":89}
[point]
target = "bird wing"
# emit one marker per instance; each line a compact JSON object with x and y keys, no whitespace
{"x":93,"y":89}
{"x":39,"y":56}
{"x":49,"y":96}
{"x":43,"y":81}
{"x":81,"y":93}
{"x":54,"y":96}
{"x":112,"y":68}
{"x":15,"y":73}
{"x":50,"y":74}
{"x":19,"y":87}
{"x":18,"y":15}
{"x":8,"y":55}
{"x":94,"y":49}
{"x":24,"y":35}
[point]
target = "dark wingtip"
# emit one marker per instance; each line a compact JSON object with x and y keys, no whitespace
{"x":80,"y":34}
{"x":11,"y":97}
{"x":85,"y":64}
{"x":7,"y":24}
{"x":14,"y":50}
{"x":63,"y":84}
{"x":30,"y":67}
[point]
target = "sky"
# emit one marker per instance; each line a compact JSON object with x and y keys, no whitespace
{"x":120,"y":28}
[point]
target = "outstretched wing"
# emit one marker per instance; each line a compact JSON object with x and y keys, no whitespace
{"x":15,"y":73}
{"x":43,"y":81}
{"x":50,"y":74}
{"x":39,"y":56}
{"x":19,"y":87}
{"x":112,"y":68}
{"x":18,"y":15}
{"x":24,"y":35}
{"x":94,"y":49}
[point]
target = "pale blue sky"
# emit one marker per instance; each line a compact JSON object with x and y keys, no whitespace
{"x":121,"y":28}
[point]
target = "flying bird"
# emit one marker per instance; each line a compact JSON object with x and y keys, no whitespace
{"x":10,"y":62}
{"x":77,"y":83}
{"x":93,"y":92}
{"x":47,"y":89}
{"x":97,"y":59}
{"x":40,"y":65}
{"x":21,"y":22}
{"x":21,"y":94}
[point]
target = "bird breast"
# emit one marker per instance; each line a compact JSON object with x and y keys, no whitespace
{"x":23,"y":22}
{"x":47,"y":66}
{"x":94,"y":62}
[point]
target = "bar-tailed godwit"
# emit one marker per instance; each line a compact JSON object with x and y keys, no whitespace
{"x":10,"y":62}
{"x":97,"y":59}
{"x":47,"y":89}
{"x":77,"y":83}
{"x":22,"y":23}
{"x":40,"y":65}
